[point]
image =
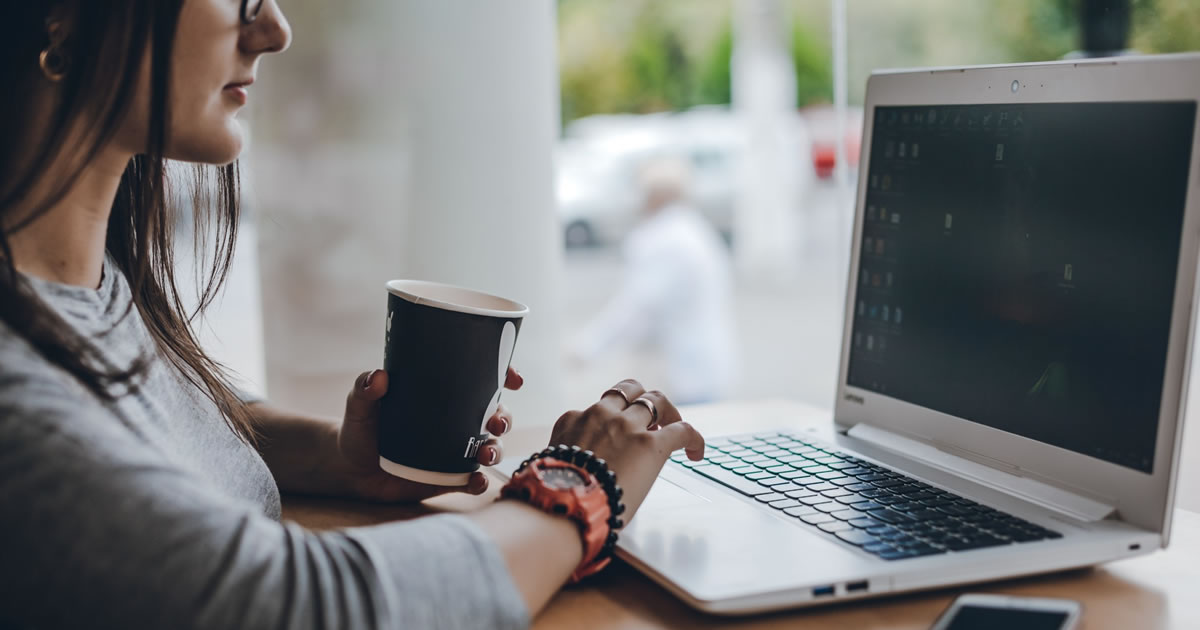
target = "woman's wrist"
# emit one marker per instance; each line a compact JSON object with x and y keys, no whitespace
{"x":541,"y":550}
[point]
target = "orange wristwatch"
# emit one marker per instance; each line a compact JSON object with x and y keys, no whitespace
{"x":551,"y":482}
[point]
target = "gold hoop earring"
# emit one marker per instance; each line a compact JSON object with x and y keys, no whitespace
{"x":53,"y":63}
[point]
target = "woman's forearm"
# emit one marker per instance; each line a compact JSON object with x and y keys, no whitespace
{"x":301,"y":451}
{"x":541,"y":550}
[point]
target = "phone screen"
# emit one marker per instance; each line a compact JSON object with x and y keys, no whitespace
{"x":986,"y":618}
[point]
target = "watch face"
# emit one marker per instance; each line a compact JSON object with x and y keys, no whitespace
{"x":562,"y":478}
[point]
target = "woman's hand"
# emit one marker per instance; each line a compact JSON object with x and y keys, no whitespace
{"x":358,"y":446}
{"x":629,"y":437}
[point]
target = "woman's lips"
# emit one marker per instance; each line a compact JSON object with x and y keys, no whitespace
{"x":237,"y":93}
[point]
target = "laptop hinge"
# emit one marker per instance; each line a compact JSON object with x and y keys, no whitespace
{"x":1045,"y":495}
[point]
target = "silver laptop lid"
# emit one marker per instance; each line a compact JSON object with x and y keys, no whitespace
{"x":1023,"y":271}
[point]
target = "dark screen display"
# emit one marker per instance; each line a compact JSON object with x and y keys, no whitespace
{"x":980,"y":618}
{"x":1018,"y":265}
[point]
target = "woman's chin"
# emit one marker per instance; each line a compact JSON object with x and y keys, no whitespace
{"x":218,"y":148}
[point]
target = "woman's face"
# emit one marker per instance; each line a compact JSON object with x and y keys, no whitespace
{"x":215,"y":60}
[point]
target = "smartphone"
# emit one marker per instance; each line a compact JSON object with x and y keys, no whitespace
{"x":1001,"y":612}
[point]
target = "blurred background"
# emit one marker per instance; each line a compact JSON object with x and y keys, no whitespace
{"x":667,"y":183}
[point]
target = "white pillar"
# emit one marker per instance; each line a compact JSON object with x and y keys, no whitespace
{"x":483,"y":98}
{"x":764,"y":99}
{"x":417,"y":144}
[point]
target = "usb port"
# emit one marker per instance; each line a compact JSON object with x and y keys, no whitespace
{"x":821,"y":591}
{"x":852,"y":587}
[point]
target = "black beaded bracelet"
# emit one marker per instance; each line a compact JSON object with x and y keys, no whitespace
{"x":599,"y":469}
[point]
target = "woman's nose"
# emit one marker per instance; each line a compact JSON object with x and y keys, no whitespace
{"x":270,"y":31}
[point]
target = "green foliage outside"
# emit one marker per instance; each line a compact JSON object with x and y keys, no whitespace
{"x":666,"y":59}
{"x":639,"y":56}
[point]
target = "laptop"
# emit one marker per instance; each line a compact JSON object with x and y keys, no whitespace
{"x":1010,"y":395}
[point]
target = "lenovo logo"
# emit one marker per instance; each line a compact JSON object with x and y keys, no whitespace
{"x":853,"y":398}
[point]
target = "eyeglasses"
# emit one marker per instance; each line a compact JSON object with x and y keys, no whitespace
{"x":250,"y":9}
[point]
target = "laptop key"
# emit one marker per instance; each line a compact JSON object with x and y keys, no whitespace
{"x":802,"y":510}
{"x":881,"y":529}
{"x":770,"y":496}
{"x":817,"y":519}
{"x":786,"y":487}
{"x":799,"y":477}
{"x":837,"y":493}
{"x":865,"y":523}
{"x":877,"y":547}
{"x":817,"y":499}
{"x":784,"y":503}
{"x":866,"y":505}
{"x":830,"y":507}
{"x":745,"y":470}
{"x":772,"y":482}
{"x":782,"y":468}
{"x":888,"y":516}
{"x":731,"y":480}
{"x":812,"y":470}
{"x":856,"y":536}
{"x":896,"y":554}
{"x":834,"y":475}
{"x":821,"y":487}
{"x":924,"y":550}
{"x":759,"y":475}
{"x":847,"y":515}
{"x":835,"y":526}
{"x":963,"y":544}
{"x":802,"y":493}
{"x":861,"y":486}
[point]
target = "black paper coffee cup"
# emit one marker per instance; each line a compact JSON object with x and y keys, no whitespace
{"x":447,"y":351}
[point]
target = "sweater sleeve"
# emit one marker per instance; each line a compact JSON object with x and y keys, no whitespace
{"x":102,"y":530}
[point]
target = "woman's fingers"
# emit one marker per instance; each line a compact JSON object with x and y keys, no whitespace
{"x":655,"y":411}
{"x":363,"y":399}
{"x":679,"y":435}
{"x":619,"y":396}
{"x":477,"y":484}
{"x":513,"y":380}
{"x":501,"y":422}
{"x":491,"y":452}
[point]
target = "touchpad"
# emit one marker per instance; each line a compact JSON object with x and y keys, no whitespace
{"x":665,"y":494}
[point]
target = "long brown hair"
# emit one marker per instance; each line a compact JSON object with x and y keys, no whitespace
{"x":104,"y":49}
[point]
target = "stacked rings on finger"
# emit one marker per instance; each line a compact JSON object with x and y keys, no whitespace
{"x":617,"y":390}
{"x":648,"y":404}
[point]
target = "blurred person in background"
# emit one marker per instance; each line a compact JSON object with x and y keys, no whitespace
{"x":675,"y":294}
{"x":138,"y":489}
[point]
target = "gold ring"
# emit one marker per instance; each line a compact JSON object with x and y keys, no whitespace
{"x":615,"y":390}
{"x":648,"y":404}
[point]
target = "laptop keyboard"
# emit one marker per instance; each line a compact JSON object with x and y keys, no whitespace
{"x":883,"y":512}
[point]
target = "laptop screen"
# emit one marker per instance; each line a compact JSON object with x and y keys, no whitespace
{"x":1018,"y":264}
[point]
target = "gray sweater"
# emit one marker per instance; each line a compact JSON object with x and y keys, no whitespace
{"x":149,"y":513}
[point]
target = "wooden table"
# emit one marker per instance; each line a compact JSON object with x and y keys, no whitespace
{"x":1161,"y":590}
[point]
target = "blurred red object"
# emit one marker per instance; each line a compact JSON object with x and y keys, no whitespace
{"x":822,"y":125}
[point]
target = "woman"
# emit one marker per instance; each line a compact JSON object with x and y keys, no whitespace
{"x":137,"y":489}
